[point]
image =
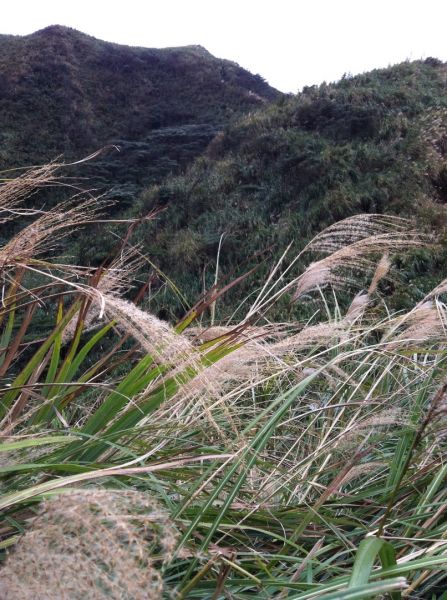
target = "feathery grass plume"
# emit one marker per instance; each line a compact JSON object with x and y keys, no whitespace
{"x":364,"y":426}
{"x":49,"y":228}
{"x":353,"y":229}
{"x":349,"y":245}
{"x":320,"y":334}
{"x":13,"y":191}
{"x":220,"y":335}
{"x":243,"y":363}
{"x":362,"y":470}
{"x":439,"y":290}
{"x":382,"y":269}
{"x":355,"y":256}
{"x":91,"y":544}
{"x":155,"y":336}
{"x":215,"y":333}
{"x":357,"y":307}
{"x":262,"y":352}
{"x":426,"y":322}
{"x":246,"y":363}
{"x":116,"y":279}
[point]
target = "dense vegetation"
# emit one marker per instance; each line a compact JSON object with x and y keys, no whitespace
{"x":374,"y":143}
{"x":64,"y":92}
{"x":292,"y":460}
{"x":285,"y":436}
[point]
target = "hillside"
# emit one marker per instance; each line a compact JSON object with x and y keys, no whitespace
{"x":64,"y":92}
{"x":373,"y":143}
{"x":206,"y":435}
{"x":269,"y":169}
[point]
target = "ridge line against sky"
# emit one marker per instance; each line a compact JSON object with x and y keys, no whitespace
{"x":291,"y":43}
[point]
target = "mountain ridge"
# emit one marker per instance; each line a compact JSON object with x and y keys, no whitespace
{"x":66,"y":92}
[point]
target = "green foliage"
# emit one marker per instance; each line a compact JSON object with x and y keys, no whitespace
{"x":297,"y":460}
{"x":64,"y":92}
{"x":284,"y":460}
{"x":372,"y":143}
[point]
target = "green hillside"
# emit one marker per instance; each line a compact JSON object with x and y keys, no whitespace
{"x":235,"y":428}
{"x":374,"y":143}
{"x":64,"y":92}
{"x":269,"y":169}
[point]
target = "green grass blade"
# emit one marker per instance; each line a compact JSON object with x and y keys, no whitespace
{"x":7,"y":333}
{"x":18,"y":497}
{"x":364,"y":560}
{"x":33,"y":363}
{"x":33,"y":442}
{"x":359,"y":592}
{"x":247,"y":458}
{"x":387,"y":555}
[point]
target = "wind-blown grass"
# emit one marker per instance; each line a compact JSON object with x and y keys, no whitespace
{"x":288,"y":460}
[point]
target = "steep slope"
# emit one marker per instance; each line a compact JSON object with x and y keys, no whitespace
{"x":63,"y":92}
{"x":372,"y":143}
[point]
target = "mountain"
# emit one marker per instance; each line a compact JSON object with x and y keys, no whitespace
{"x":372,"y":143}
{"x":224,"y":153}
{"x":64,"y":92}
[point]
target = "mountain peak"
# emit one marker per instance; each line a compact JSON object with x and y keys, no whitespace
{"x":73,"y":93}
{"x":55,"y":30}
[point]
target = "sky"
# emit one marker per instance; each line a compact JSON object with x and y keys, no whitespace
{"x":291,"y":43}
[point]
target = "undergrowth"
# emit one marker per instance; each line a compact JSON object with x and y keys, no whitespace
{"x":247,"y":459}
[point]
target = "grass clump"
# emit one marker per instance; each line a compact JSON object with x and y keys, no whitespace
{"x":250,"y":458}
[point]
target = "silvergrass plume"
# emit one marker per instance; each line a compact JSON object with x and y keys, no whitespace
{"x":92,"y":543}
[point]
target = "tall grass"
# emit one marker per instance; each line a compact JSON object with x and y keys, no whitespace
{"x":278,"y":460}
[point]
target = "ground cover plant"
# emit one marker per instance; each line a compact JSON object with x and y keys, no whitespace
{"x":239,"y":459}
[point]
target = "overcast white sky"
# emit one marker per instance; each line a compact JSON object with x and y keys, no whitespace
{"x":290,"y":43}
